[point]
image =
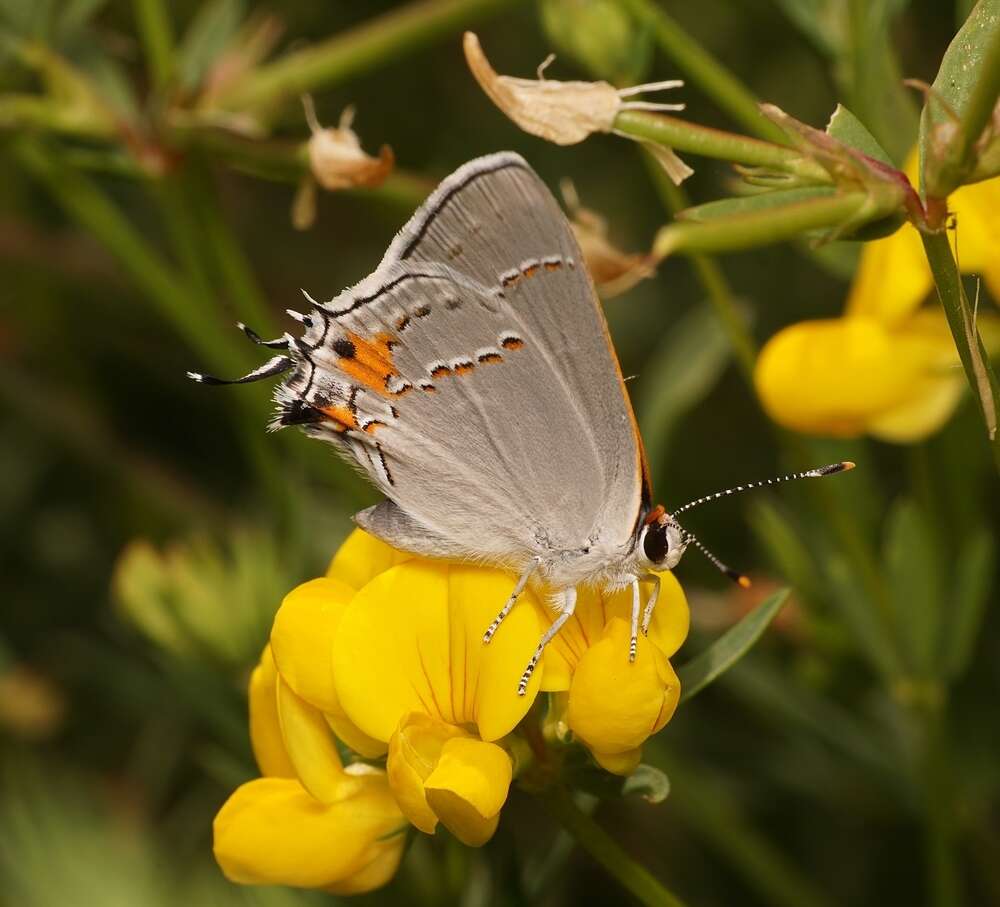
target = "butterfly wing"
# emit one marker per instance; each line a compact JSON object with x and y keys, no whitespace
{"x":471,"y":375}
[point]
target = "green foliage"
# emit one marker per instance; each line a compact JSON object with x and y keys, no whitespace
{"x":729,"y":648}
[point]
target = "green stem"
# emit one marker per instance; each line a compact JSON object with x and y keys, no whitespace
{"x":959,"y":158}
{"x":704,"y":70}
{"x":153,"y":23}
{"x":359,"y":50}
{"x":715,"y":143}
{"x":288,"y":162}
{"x":758,"y":228}
{"x":711,"y":277}
{"x":87,"y":205}
{"x":606,"y":850}
{"x":975,"y":360}
{"x":936,"y":781}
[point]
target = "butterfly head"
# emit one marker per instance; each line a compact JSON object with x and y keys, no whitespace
{"x":661,"y":541}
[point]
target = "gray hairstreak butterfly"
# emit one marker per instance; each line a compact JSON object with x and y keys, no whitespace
{"x":472,"y":377}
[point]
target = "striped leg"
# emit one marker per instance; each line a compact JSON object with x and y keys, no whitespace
{"x":647,"y":615}
{"x":518,"y":589}
{"x":633,"y":642}
{"x":565,"y":613}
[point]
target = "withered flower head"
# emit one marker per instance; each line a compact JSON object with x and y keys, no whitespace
{"x":336,"y":161}
{"x":567,"y":112}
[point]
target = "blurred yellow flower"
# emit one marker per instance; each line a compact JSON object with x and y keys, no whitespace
{"x":887,"y":367}
{"x":613,"y":706}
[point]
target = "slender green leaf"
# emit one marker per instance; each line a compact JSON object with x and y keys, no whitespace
{"x":955,"y":87}
{"x":974,"y":575}
{"x":730,"y":647}
{"x":749,"y":204}
{"x":648,"y":782}
{"x":785,"y":544}
{"x":684,"y":368}
{"x":824,"y":22}
{"x":870,"y":77}
{"x":914,"y":577}
{"x":76,"y":14}
{"x":210,"y":31}
{"x":859,"y":615}
{"x":847,"y":128}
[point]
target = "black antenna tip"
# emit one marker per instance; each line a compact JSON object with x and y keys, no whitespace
{"x":834,"y":468}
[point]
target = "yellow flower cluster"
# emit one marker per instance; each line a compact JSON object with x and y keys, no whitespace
{"x":385,"y":655}
{"x":887,"y":367}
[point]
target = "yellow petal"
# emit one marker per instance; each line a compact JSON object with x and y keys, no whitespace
{"x":302,"y":639}
{"x":614,"y":704}
{"x":577,"y":635}
{"x":831,"y":377}
{"x":271,"y":832}
{"x":594,"y":609}
{"x":619,"y":763}
{"x":414,"y":751}
{"x":411,"y":641}
{"x":671,"y":617}
{"x":265,"y":729}
{"x":893,"y":278}
{"x":310,"y":745}
{"x":977,"y":236}
{"x":362,"y":557}
{"x":468,"y":787}
{"x":354,"y":737}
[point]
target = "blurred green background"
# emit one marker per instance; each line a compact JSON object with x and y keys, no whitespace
{"x":150,"y":526}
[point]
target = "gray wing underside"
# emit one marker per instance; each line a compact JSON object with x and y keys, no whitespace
{"x":504,"y":429}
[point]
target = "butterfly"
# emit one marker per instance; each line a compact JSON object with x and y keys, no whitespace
{"x":473,"y":379}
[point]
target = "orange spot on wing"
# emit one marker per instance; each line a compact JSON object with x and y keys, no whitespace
{"x":372,"y":363}
{"x":345,"y":419}
{"x":490,"y":358}
{"x":440,"y":371}
{"x":530,"y":271}
{"x":463,"y":368}
{"x":552,"y":265}
{"x":512,"y":343}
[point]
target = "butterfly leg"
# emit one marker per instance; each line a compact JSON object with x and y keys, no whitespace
{"x":634,"y":639}
{"x":518,"y":589}
{"x":647,"y":615}
{"x":565,"y":613}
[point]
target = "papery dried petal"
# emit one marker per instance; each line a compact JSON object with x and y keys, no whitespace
{"x":336,"y":158}
{"x":561,"y":112}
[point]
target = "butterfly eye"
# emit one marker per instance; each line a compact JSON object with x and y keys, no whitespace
{"x":655,"y":543}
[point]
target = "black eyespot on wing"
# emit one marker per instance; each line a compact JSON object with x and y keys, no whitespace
{"x":298,"y":412}
{"x":344,"y":348}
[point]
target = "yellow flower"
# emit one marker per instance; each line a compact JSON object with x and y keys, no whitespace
{"x":311,"y":822}
{"x":610,"y":704}
{"x":887,"y":367}
{"x":272,"y":832}
{"x":386,"y":654}
{"x":411,"y":670}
